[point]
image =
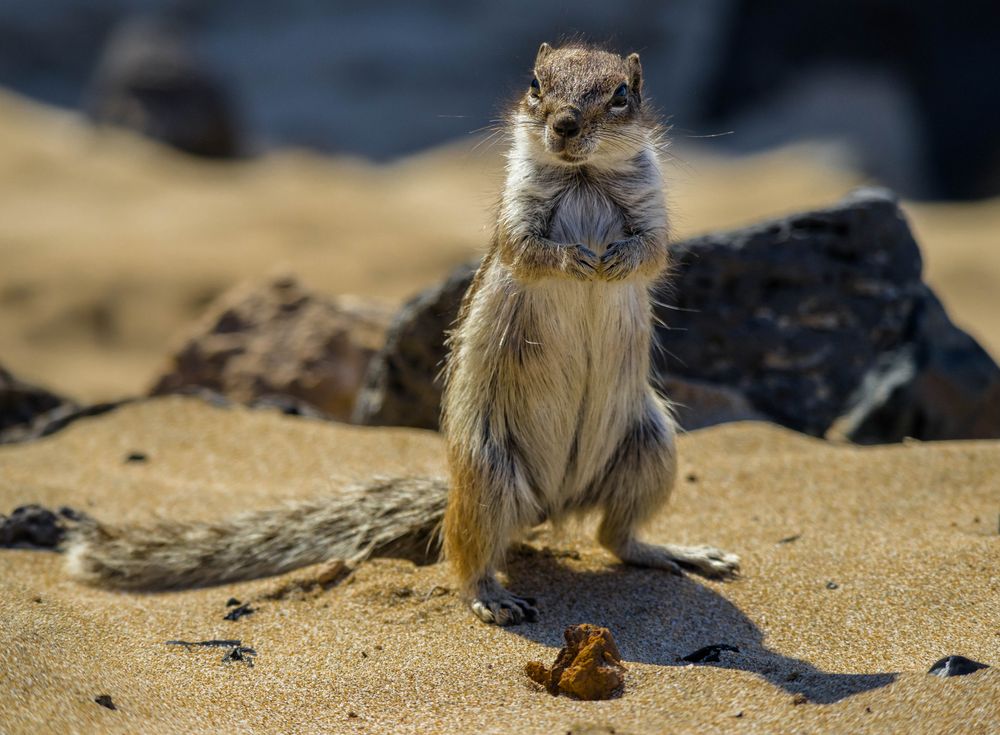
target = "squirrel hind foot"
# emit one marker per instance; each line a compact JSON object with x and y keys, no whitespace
{"x":707,"y":561}
{"x":496,"y":605}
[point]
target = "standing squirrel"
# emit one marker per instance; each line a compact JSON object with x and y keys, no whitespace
{"x":548,"y":410}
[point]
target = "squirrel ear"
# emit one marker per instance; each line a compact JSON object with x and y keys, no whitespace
{"x":634,"y":72}
{"x":543,"y":51}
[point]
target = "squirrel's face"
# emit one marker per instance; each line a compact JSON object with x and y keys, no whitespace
{"x":584,"y":105}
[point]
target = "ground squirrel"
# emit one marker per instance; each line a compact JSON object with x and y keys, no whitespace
{"x":548,"y":409}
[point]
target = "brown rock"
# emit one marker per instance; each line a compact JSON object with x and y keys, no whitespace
{"x":588,"y":667}
{"x":278,"y":340}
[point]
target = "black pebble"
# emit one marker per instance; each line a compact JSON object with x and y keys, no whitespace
{"x":105,"y":701}
{"x":240,"y":653}
{"x":31,"y":525}
{"x":956,"y":666}
{"x":238,"y":612}
{"x":832,"y":585}
{"x":709,"y":654}
{"x":233,"y":602}
{"x":136,"y":457}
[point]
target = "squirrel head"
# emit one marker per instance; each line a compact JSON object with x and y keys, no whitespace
{"x":584,"y":105}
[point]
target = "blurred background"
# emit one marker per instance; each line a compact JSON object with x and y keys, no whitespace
{"x":153,"y":152}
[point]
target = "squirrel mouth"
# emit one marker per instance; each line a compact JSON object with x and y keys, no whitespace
{"x":562,"y":150}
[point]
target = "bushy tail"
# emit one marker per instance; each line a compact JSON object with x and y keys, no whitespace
{"x":387,"y":517}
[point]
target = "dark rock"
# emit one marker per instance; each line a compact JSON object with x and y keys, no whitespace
{"x":785,"y":320}
{"x":105,"y":701}
{"x":150,"y":81}
{"x":25,"y":407}
{"x":278,"y":345}
{"x":28,"y":412}
{"x":402,"y":385}
{"x":941,"y":384}
{"x":956,"y":666}
{"x":709,"y":654}
{"x":33,"y":526}
{"x":793,"y":312}
{"x":136,"y":457}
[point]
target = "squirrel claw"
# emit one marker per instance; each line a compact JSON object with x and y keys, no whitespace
{"x":614,"y":265}
{"x":581,"y":262}
{"x":505,"y":609}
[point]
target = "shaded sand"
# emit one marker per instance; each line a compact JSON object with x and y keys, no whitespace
{"x":907,"y":533}
{"x":111,"y":246}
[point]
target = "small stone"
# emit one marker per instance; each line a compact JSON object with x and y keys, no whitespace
{"x":709,"y":654}
{"x":239,"y":612}
{"x":831,"y":585}
{"x":136,"y":457}
{"x":105,"y":701}
{"x":588,"y":667}
{"x":790,"y":539}
{"x":233,"y":602}
{"x":956,"y":666}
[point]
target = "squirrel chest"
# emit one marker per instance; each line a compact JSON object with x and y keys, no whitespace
{"x":583,"y":214}
{"x":567,"y":360}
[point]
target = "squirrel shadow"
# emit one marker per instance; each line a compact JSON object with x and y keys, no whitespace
{"x":659,"y":618}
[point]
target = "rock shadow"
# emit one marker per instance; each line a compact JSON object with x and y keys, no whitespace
{"x":658,"y":618}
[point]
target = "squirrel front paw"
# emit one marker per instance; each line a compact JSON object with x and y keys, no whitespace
{"x":617,"y":262}
{"x":580,"y":262}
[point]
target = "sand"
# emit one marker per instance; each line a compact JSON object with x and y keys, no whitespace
{"x":907,"y":535}
{"x":112,"y":246}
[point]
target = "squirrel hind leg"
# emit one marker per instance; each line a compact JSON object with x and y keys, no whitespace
{"x":484,"y":511}
{"x":637,"y":483}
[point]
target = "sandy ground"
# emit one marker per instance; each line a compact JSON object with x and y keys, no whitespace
{"x":110,"y":246}
{"x":906,"y":534}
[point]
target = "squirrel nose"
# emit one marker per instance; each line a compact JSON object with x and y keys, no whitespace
{"x":566,"y":124}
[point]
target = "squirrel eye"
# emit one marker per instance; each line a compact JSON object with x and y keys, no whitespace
{"x":620,"y":97}
{"x":536,"y":88}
